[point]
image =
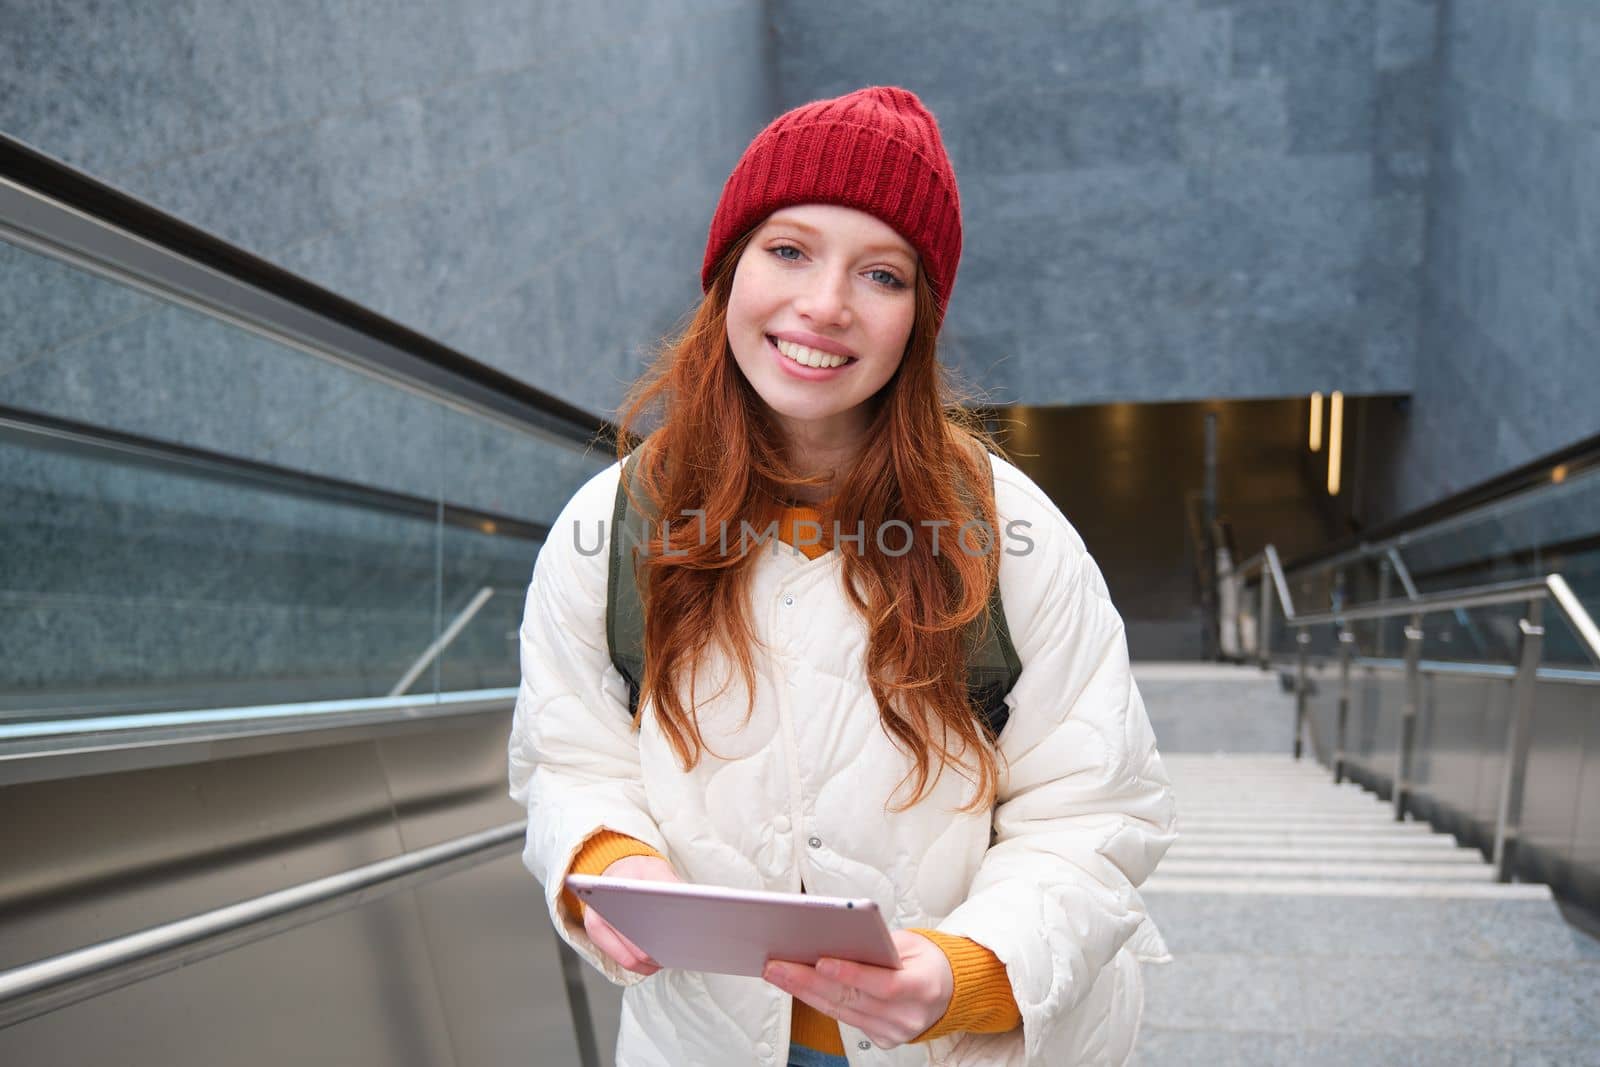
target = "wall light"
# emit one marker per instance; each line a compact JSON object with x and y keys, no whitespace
{"x":1316,"y":422}
{"x":1335,"y":440}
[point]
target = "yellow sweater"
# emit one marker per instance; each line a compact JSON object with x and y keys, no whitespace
{"x":981,"y":1001}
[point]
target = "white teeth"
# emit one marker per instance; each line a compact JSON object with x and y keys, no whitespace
{"x":810,"y":357}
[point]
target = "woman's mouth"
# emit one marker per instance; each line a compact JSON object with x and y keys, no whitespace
{"x":807,"y":363}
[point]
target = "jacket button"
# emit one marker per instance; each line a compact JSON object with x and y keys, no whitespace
{"x":763,"y":1050}
{"x":815,"y":842}
{"x":788,"y":600}
{"x":863,"y":1045}
{"x":781,"y":824}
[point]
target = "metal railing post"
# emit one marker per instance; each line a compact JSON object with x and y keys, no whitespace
{"x":1408,"y":716}
{"x":443,"y":641}
{"x":1347,"y":642}
{"x":578,"y":1005}
{"x":1385,"y":571}
{"x":1519,"y":730}
{"x":1301,"y":640}
{"x":1238,"y":610}
{"x":1264,"y":620}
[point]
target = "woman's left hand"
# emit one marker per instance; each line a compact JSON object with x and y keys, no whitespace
{"x":890,"y":1006}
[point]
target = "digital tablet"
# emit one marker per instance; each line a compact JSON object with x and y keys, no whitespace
{"x":736,"y":931}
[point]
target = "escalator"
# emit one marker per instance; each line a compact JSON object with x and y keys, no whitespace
{"x":262,"y":559}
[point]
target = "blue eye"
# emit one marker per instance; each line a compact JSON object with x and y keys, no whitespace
{"x":885,"y":278}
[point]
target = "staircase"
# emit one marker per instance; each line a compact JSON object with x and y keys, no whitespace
{"x":1308,"y":927}
{"x":1245,"y":819}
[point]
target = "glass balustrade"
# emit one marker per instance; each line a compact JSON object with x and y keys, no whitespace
{"x":197,"y":515}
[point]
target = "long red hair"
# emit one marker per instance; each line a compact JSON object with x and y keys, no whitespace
{"x":715,"y":449}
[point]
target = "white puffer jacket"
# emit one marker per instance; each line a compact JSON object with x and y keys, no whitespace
{"x":795,"y":795}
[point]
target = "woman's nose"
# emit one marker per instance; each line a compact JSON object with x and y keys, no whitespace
{"x":826,"y":297}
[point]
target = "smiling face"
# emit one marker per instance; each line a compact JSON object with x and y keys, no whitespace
{"x":818,"y":320}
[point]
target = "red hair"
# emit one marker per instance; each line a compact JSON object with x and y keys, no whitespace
{"x":716,"y":449}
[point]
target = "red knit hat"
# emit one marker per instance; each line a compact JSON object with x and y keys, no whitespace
{"x":876,"y":150}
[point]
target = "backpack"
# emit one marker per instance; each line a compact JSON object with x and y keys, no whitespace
{"x":992,"y":663}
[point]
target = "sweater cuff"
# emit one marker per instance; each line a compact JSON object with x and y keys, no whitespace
{"x":981,"y":1001}
{"x":601,"y":850}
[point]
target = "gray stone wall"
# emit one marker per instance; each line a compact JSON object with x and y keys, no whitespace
{"x":1163,"y":199}
{"x":1508,"y":367}
{"x":529,"y":183}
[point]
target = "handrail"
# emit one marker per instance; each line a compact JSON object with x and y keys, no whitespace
{"x":1560,"y":467}
{"x":1576,"y":613}
{"x":1551,"y":586}
{"x":1285,"y":600}
{"x":38,"y":750}
{"x":1524,"y":675}
{"x":1476,"y":597}
{"x":1269,"y":560}
{"x":46,"y":985}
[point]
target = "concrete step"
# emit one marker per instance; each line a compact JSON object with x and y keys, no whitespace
{"x":1523,"y":924}
{"x":1364,"y":887}
{"x":1321,"y":869}
{"x":1308,"y":815}
{"x":1295,"y":815}
{"x":1243,"y":775}
{"x":1284,"y":759}
{"x":1357,"y":825}
{"x":1331,"y":839}
{"x":1231,"y":784}
{"x":1313,"y":798}
{"x":1322,"y":853}
{"x":1265,"y":766}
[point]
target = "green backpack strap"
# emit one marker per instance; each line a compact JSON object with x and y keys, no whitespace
{"x":624,"y":606}
{"x":992,"y":663}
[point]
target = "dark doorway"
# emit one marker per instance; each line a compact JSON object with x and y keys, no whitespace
{"x":1124,"y":475}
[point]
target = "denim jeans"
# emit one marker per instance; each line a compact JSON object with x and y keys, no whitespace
{"x":803,"y":1056}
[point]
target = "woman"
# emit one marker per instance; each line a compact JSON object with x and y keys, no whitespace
{"x":803,"y":719}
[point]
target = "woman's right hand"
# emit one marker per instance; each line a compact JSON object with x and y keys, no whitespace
{"x":623,"y":952}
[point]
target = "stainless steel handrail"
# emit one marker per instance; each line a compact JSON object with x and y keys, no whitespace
{"x":1552,"y":587}
{"x":1575,"y":612}
{"x":59,"y":748}
{"x":37,"y":988}
{"x":1524,"y":675}
{"x":33,"y":220}
{"x":1429,"y":603}
{"x":1285,"y":599}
